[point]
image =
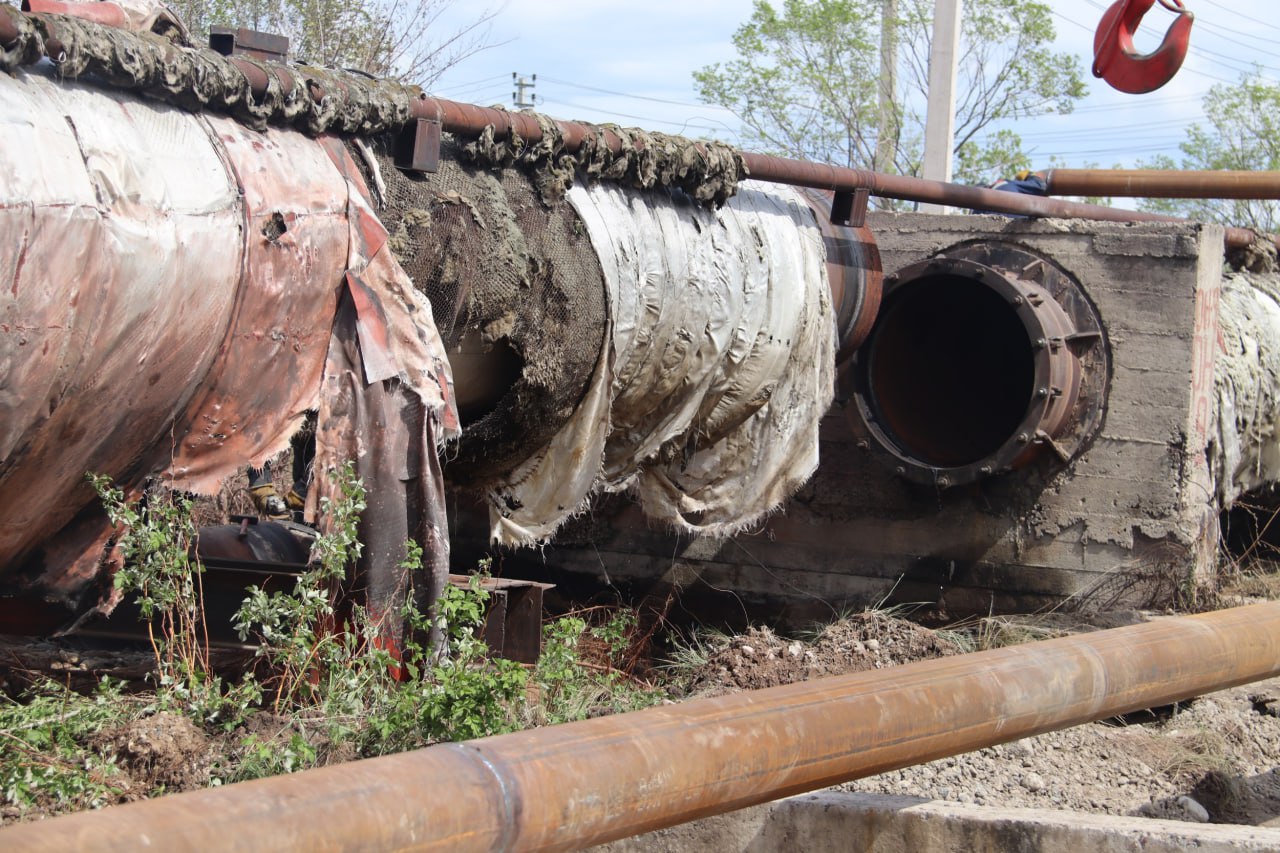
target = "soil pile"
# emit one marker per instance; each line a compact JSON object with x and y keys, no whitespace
{"x":760,"y":658}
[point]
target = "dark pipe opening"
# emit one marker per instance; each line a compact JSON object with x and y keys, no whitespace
{"x":483,"y":374}
{"x":949,"y":370}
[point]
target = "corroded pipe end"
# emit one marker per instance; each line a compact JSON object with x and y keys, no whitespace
{"x":982,"y":360}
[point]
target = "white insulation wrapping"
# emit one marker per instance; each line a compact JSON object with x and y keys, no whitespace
{"x":720,"y":366}
{"x":1246,"y":455}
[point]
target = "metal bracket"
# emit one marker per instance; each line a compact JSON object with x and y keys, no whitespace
{"x":513,"y":619}
{"x":238,"y":41}
{"x":417,"y":147}
{"x":850,"y":208}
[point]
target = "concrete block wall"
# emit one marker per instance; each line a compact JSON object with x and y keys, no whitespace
{"x":1130,"y":521}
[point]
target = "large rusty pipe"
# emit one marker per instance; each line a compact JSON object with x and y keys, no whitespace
{"x":1162,"y":183}
{"x":570,"y":786}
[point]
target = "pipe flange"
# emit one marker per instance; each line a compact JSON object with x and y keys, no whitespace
{"x":983,"y":359}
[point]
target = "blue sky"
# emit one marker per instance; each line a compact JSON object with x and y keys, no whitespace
{"x":602,"y":60}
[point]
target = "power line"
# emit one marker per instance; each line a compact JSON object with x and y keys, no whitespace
{"x":1259,"y":21}
{"x":1145,"y":103}
{"x":1104,"y":132}
{"x":719,"y":127}
{"x":634,"y":97}
{"x":495,"y":78}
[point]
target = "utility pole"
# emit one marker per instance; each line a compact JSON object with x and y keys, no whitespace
{"x":940,"y":122}
{"x":887,"y":126}
{"x":518,"y":96}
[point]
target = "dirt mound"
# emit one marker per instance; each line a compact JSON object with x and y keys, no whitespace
{"x":760,"y":658}
{"x":163,"y":749}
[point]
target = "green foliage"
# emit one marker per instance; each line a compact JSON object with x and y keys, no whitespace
{"x":386,"y":38}
{"x":1242,"y":133}
{"x":297,"y":630}
{"x":157,"y":545}
{"x":260,"y":758}
{"x":45,"y":760}
{"x":330,"y":688}
{"x":571,"y":686}
{"x":807,"y":78}
{"x":359,"y":695}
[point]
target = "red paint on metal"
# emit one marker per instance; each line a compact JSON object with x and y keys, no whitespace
{"x":1118,"y":62}
{"x":216,"y":256}
{"x":107,"y":14}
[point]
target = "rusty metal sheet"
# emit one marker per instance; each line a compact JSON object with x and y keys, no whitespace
{"x":120,"y":261}
{"x":168,"y":297}
{"x":267,"y":375}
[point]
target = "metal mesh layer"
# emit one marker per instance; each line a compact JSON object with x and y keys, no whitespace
{"x":505,"y":273}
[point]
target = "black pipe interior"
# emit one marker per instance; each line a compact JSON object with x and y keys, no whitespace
{"x":950,"y":370}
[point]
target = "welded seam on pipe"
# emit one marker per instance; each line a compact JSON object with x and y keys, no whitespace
{"x":508,"y":791}
{"x":568,"y":786}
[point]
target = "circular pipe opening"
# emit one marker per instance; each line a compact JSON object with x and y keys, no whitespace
{"x":483,"y":374}
{"x":949,"y":370}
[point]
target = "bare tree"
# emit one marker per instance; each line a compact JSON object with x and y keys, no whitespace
{"x":405,"y":39}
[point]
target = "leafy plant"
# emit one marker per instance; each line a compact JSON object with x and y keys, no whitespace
{"x":808,"y":81}
{"x":581,"y":671}
{"x":157,"y":541}
{"x":44,"y":756}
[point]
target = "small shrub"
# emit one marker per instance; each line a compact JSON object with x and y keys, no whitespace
{"x":581,"y":671}
{"x":45,"y":761}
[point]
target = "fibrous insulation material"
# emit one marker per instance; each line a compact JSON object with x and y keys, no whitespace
{"x":719,"y":366}
{"x":1246,"y":455}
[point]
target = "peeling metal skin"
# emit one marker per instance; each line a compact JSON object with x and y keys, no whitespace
{"x":168,"y":290}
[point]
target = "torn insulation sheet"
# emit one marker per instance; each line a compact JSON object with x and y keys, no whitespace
{"x":718,"y":368}
{"x":1245,"y":455}
{"x":176,"y":292}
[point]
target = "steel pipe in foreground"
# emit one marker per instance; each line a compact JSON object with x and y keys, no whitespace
{"x":570,"y":786}
{"x":1162,"y":183}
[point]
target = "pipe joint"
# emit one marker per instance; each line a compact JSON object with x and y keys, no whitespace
{"x":983,"y":359}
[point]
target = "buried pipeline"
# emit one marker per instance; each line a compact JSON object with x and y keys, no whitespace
{"x":570,"y":786}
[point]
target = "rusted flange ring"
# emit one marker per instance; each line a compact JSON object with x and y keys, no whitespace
{"x":1055,"y":381}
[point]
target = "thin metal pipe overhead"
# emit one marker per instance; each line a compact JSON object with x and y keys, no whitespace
{"x":570,"y":786}
{"x":1162,"y":183}
{"x":471,"y":120}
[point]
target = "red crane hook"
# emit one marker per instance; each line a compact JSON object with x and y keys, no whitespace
{"x":1118,"y":62}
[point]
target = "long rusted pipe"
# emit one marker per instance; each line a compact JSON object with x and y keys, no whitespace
{"x":570,"y":786}
{"x":1162,"y":183}
{"x":465,"y":119}
{"x":471,"y":120}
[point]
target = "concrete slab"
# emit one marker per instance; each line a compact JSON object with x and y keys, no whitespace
{"x":834,"y":821}
{"x":1129,"y":522}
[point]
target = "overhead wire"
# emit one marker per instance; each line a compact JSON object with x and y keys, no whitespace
{"x":692,"y":123}
{"x":1239,"y":14}
{"x":585,"y":87}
